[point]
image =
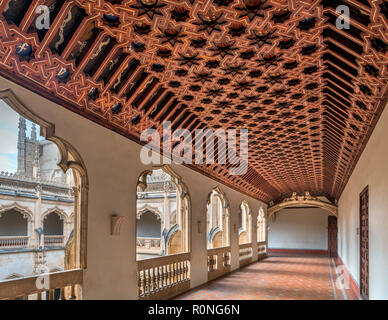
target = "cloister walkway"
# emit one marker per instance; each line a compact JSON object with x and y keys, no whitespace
{"x":275,"y":278}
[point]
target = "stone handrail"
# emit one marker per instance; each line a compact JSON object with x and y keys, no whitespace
{"x":21,"y":177}
{"x":245,"y":250}
{"x":164,"y":277}
{"x":67,"y":283}
{"x":53,"y":240}
{"x":219,"y":260}
{"x":148,"y":245}
{"x":10,"y":242}
{"x":262,"y":249}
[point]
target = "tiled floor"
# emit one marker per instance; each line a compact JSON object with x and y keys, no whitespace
{"x":275,"y":278}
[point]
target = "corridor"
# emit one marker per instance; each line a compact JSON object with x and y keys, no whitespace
{"x":275,"y":278}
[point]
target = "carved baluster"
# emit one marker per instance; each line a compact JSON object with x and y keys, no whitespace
{"x":62,"y":294}
{"x":172,"y":274}
{"x":184,"y":270}
{"x":39,"y":296}
{"x":160,"y":274}
{"x":138,"y":283}
{"x":151,"y":283}
{"x":178,"y":272}
{"x":51,"y":294}
{"x":164,"y":269}
{"x":155,"y":278}
{"x":142,"y":283}
{"x":147,"y":282}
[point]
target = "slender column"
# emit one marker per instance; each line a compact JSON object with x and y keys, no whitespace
{"x":166,"y":211}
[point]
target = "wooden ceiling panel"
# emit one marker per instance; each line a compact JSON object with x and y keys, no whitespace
{"x":309,"y":93}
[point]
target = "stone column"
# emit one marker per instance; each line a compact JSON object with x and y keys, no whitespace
{"x":37,"y":219}
{"x":166,"y":212}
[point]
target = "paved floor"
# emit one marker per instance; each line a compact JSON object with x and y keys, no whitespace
{"x":275,"y":278}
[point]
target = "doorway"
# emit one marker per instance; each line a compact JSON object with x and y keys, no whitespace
{"x":364,"y":243}
{"x":332,"y":236}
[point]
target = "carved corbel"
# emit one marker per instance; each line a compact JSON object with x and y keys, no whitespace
{"x":116,"y":223}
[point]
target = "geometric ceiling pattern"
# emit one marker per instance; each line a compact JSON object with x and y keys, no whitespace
{"x":309,"y":93}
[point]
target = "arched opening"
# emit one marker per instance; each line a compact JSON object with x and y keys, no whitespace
{"x":218,"y":216}
{"x":13,"y":223}
{"x":163,"y":204}
{"x":53,"y":225}
{"x":162,"y":225}
{"x":245,"y":224}
{"x":53,"y":229}
{"x":261,"y":226}
{"x":148,"y":234}
{"x":43,"y":178}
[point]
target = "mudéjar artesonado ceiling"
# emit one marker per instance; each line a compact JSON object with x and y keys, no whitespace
{"x":309,"y":92}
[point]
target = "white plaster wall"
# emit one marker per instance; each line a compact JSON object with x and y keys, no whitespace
{"x":113,"y":166}
{"x":16,"y":263}
{"x":299,"y":228}
{"x":371,"y":170}
{"x":23,"y":263}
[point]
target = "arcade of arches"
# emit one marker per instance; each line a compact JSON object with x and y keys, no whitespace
{"x":308,"y":218}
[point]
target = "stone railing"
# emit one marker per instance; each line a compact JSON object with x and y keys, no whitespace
{"x":148,"y":245}
{"x":53,"y":241}
{"x":218,"y":262}
{"x":164,"y":277}
{"x":65,"y":285}
{"x":14,"y":242}
{"x":261,"y":250}
{"x":245,"y":253}
{"x":23,"y":178}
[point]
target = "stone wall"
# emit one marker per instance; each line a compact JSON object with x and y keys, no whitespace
{"x":113,"y":166}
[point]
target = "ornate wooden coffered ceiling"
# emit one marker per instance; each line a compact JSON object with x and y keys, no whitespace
{"x":309,"y":93}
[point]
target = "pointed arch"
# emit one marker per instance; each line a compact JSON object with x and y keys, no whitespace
{"x":146,"y":207}
{"x":245,"y":231}
{"x":261,"y":226}
{"x":26,"y":212}
{"x":218,"y":219}
{"x":61,"y":213}
{"x":69,"y":159}
{"x":302,"y":201}
{"x":183,"y":209}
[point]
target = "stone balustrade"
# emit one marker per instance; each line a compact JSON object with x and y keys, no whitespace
{"x":218,"y":262}
{"x":245,"y":254}
{"x":164,"y":277}
{"x":65,"y":285}
{"x":261,"y":250}
{"x":54,"y":241}
{"x":16,"y":177}
{"x":148,"y":245}
{"x":12,"y":242}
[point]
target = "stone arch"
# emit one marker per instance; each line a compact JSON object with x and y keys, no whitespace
{"x":261,"y":225}
{"x":149,"y":208}
{"x":183,"y":205}
{"x":245,"y":232}
{"x":61,"y":213}
{"x":174,"y":240}
{"x":27,"y":213}
{"x":69,"y":159}
{"x":302,"y":201}
{"x":14,"y":276}
{"x":222,"y":237}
